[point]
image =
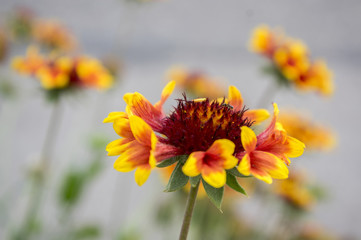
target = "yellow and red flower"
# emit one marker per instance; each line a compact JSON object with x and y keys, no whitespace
{"x":265,"y":155}
{"x":53,"y":34}
{"x":29,"y":64}
{"x":296,"y":191}
{"x":291,"y":58}
{"x":196,"y":83}
{"x":215,"y":135}
{"x":314,"y":135}
{"x":63,"y":72}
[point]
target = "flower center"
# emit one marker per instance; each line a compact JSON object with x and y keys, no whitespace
{"x":195,"y":125}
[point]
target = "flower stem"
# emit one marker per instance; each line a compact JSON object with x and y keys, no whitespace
{"x":269,"y":95}
{"x":188,"y":212}
{"x":51,"y":134}
{"x":39,"y":177}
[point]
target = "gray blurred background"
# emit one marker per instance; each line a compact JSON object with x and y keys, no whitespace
{"x":210,"y":35}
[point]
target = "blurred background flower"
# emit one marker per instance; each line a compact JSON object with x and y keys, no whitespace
{"x":291,"y":61}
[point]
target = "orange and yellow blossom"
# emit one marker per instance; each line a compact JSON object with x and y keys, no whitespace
{"x":295,"y":191}
{"x":29,"y":64}
{"x":212,"y":134}
{"x":196,"y":83}
{"x":265,"y":155}
{"x":56,"y":74}
{"x":292,"y":59}
{"x":212,"y":163}
{"x":63,"y":72}
{"x":53,"y":34}
{"x":92,"y":73}
{"x":314,"y":135}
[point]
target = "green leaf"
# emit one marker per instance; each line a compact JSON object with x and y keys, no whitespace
{"x":177,"y":180}
{"x":214,"y":194}
{"x":235,"y":173}
{"x":72,"y":187}
{"x":233,"y":183}
{"x":195,"y":180}
{"x":87,"y":232}
{"x":172,"y":160}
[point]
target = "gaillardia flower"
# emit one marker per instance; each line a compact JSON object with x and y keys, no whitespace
{"x":291,"y":61}
{"x":314,"y":135}
{"x":208,"y":139}
{"x":196,"y":83}
{"x":53,"y":34}
{"x":296,"y":191}
{"x":63,"y":72}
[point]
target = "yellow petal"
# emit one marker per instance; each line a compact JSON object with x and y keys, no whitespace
{"x":230,"y":162}
{"x":193,"y":165}
{"x":141,"y":174}
{"x":167,"y":91}
{"x":118,"y":146}
{"x":122,"y":127}
{"x":235,"y":98}
{"x":113,"y":116}
{"x":264,"y":177}
{"x":244,"y":166}
{"x":137,"y":103}
{"x":141,"y":130}
{"x":214,"y":177}
{"x":222,"y":147}
{"x":248,"y":138}
{"x":152,"y":160}
{"x":275,"y":110}
{"x":122,"y":164}
{"x":257,"y":115}
{"x":280,"y":170}
{"x":296,"y":147}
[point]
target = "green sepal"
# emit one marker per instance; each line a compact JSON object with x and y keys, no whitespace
{"x":177,"y":180}
{"x":172,"y":160}
{"x":233,"y":183}
{"x":214,"y":194}
{"x":236,"y":173}
{"x":195,"y":180}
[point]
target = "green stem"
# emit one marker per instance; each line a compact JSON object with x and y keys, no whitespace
{"x":50,"y":135}
{"x":269,"y":95}
{"x":39,"y":178}
{"x":188,"y":212}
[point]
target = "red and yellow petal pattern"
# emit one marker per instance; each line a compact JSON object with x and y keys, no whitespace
{"x":212,"y":163}
{"x":136,"y":151}
{"x":257,"y":115}
{"x":261,"y":164}
{"x":139,"y":106}
{"x":235,"y":98}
